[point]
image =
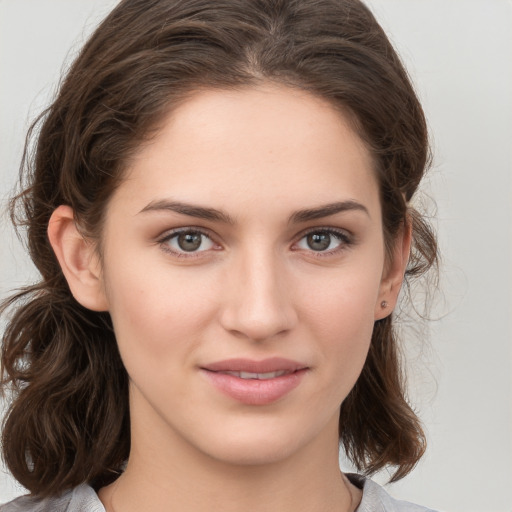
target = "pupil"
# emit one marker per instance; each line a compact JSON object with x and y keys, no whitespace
{"x":189,"y":241}
{"x":319,"y":241}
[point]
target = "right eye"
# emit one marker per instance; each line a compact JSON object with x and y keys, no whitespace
{"x":187,"y":241}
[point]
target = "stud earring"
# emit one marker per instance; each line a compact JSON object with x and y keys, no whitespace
{"x":384,"y":304}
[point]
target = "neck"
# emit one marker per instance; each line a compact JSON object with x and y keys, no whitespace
{"x":305,"y":482}
{"x":256,"y":489}
{"x":164,"y":471}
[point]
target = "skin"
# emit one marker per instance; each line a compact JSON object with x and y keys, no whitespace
{"x":255,"y":288}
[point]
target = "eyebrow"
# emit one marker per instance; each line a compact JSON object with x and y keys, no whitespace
{"x":202,"y":212}
{"x":191,"y":210}
{"x":326,"y":210}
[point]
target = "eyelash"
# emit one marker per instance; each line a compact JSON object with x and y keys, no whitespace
{"x":164,"y":241}
{"x":345,"y":241}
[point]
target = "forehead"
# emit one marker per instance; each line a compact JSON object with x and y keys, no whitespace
{"x":253,"y":145}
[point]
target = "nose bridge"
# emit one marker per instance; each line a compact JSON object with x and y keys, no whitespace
{"x":259,"y":304}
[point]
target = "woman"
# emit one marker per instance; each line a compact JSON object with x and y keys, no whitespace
{"x":219,"y":207}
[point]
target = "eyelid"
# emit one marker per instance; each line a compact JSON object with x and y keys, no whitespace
{"x":171,"y":233}
{"x":346,"y":240}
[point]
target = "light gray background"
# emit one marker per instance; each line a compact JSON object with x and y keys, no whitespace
{"x":459,"y":53}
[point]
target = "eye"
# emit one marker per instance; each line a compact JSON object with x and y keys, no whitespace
{"x":323,"y":240}
{"x":187,"y":241}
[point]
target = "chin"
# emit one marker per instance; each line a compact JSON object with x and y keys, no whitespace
{"x":263,"y":443}
{"x":253,"y":452}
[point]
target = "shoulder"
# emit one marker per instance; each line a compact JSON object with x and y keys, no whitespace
{"x":84,"y":499}
{"x":376,"y":499}
{"x":80,"y":499}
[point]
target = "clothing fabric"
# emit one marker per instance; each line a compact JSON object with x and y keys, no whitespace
{"x":376,"y":499}
{"x":84,"y":499}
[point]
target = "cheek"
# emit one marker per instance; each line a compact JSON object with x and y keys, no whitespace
{"x":339,"y":313}
{"x":344,"y":327}
{"x":157,"y":313}
{"x":343,"y":301}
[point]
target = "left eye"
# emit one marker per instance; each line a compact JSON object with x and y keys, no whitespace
{"x":189,"y":241}
{"x":321,"y":241}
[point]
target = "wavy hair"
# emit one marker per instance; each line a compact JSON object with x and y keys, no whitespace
{"x":68,"y":421}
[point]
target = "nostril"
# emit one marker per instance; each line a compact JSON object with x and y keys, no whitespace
{"x":257,"y":303}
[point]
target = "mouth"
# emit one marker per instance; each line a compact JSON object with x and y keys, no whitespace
{"x":257,"y":376}
{"x":255,"y":382}
{"x":252,"y":369}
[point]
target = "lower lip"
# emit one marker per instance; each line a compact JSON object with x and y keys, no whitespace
{"x":255,"y":391}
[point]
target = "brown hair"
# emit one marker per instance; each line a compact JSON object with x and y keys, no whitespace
{"x":68,"y":422}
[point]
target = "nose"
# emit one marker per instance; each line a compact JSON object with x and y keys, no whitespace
{"x":258,"y":298}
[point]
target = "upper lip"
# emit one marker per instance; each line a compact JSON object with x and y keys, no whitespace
{"x":273,"y":364}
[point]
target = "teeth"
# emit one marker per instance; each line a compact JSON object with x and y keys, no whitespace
{"x":258,"y":376}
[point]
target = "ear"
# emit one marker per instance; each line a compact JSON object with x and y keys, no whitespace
{"x":394,"y":271}
{"x":78,"y":260}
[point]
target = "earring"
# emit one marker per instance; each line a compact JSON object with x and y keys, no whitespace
{"x":384,"y":304}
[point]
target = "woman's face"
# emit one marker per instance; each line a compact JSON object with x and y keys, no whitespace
{"x":244,"y":268}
